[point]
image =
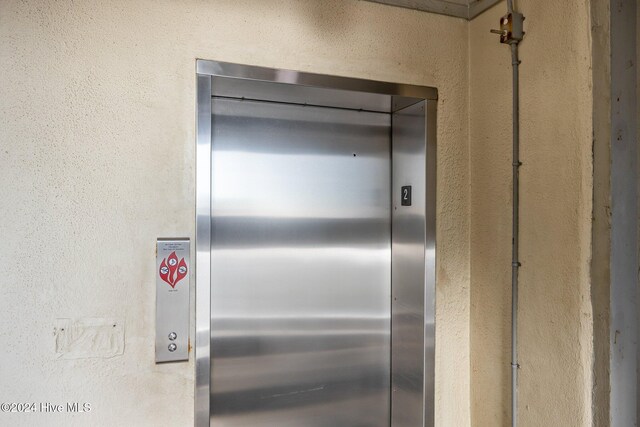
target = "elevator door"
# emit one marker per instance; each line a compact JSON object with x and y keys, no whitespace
{"x":300,"y":266}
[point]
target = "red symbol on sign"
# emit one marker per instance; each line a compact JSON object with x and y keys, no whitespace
{"x":172,"y":270}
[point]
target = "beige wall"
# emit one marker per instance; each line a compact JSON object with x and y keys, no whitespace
{"x":556,"y":182}
{"x":97,"y":108}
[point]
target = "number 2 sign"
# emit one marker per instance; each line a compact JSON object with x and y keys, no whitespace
{"x":405,"y":195}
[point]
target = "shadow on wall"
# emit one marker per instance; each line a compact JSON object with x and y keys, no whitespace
{"x":336,"y":17}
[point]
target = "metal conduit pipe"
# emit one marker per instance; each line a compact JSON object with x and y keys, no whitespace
{"x":511,"y":33}
{"x":515,"y":263}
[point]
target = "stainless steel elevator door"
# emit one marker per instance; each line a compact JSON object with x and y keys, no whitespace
{"x":300,"y":266}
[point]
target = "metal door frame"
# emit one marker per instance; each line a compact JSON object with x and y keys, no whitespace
{"x":400,"y":96}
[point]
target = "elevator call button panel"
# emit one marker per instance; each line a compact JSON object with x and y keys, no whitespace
{"x":173,"y":269}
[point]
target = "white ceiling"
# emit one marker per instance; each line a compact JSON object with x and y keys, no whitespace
{"x":467,"y":9}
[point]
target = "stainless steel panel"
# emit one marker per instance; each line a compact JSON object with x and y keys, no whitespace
{"x":321,"y":81}
{"x":305,"y":95}
{"x":173,"y":273}
{"x":413,"y":274}
{"x":401,"y":96}
{"x":229,"y":87}
{"x":430,"y":265}
{"x":300,"y":266}
{"x":203,"y":251}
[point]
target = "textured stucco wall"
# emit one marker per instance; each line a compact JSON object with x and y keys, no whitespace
{"x":555,"y":320}
{"x":97,"y":106}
